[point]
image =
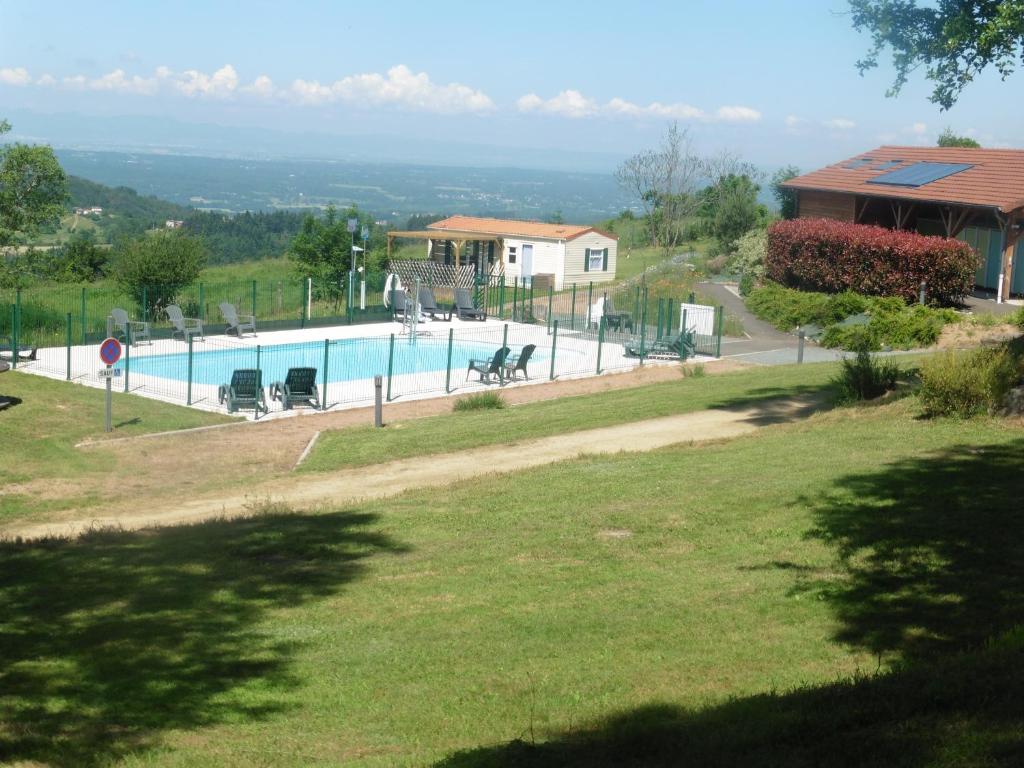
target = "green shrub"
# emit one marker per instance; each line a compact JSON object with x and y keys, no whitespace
{"x":786,"y":308}
{"x":966,"y":383}
{"x":1017,"y":318}
{"x":850,"y":337}
{"x":747,"y":283}
{"x":864,"y":377}
{"x":481,"y":401}
{"x":842,"y":305}
{"x":909,"y":327}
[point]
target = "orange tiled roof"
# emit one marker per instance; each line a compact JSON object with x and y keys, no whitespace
{"x":995,"y":181}
{"x":512,"y":227}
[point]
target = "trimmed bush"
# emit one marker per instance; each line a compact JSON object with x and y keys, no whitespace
{"x":835,"y":256}
{"x":865,"y":377}
{"x":481,"y":401}
{"x":966,"y":383}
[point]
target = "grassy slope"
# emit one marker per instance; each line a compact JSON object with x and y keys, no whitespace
{"x":460,"y":431}
{"x":39,"y":434}
{"x":668,"y":591}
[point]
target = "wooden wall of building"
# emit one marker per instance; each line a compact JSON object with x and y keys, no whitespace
{"x":826,"y":205}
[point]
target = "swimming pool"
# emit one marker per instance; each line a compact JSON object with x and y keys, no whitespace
{"x":348,"y":359}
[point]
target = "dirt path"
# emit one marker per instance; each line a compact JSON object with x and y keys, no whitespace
{"x":382,"y":480}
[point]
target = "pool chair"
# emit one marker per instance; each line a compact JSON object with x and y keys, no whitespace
{"x":237,"y":324}
{"x":512,"y":368}
{"x":464,"y":307}
{"x":618,"y":321}
{"x":681,"y":347}
{"x":244,"y":391}
{"x":298,"y":388}
{"x":136,"y":331}
{"x":400,"y":304}
{"x":26,"y":353}
{"x":487,"y":368}
{"x":428,"y":306}
{"x":186,"y":327}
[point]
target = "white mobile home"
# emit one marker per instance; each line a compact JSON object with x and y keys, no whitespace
{"x":534,"y":251}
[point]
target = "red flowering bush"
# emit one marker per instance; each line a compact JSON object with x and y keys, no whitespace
{"x":835,"y":256}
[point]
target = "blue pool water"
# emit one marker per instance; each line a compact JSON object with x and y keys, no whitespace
{"x":348,"y":359}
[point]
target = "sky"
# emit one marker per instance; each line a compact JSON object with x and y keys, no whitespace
{"x":587,"y":82}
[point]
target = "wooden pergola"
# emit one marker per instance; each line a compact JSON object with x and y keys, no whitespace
{"x":456,"y":238}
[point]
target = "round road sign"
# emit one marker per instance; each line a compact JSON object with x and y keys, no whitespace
{"x":110,"y":351}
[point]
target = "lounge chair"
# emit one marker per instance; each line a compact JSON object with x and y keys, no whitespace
{"x":135,"y":331}
{"x":400,"y":303}
{"x":244,"y":391}
{"x":511,"y":368}
{"x":487,"y":368}
{"x":26,"y":353}
{"x":464,"y":307}
{"x":298,"y":388}
{"x":237,"y":324}
{"x":616,"y":320}
{"x":428,"y":306}
{"x":186,"y":327}
{"x":680,"y":347}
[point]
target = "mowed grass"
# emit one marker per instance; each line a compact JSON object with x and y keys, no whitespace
{"x":38,"y":434}
{"x":466,"y":430}
{"x":694,"y":606}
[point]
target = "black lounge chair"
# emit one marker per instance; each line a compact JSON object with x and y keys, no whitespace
{"x":511,"y":368}
{"x":487,"y":368}
{"x":618,"y":321}
{"x":400,"y":304}
{"x":464,"y":307}
{"x":244,"y":391}
{"x":298,"y":388}
{"x":25,"y":353}
{"x":135,"y":330}
{"x":428,"y":306}
{"x":681,"y":347}
{"x":237,"y":324}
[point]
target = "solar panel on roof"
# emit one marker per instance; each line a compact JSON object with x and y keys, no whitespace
{"x":886,"y":165}
{"x":919,"y":174}
{"x":859,"y":163}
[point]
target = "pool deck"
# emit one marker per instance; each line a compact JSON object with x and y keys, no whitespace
{"x":576,"y":356}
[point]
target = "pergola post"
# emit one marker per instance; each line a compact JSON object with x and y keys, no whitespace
{"x":1011,"y":234}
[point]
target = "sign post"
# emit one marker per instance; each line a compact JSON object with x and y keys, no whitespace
{"x":110,"y":353}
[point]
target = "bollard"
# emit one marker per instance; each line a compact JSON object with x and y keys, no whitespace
{"x":378,"y":401}
{"x":923,"y":294}
{"x":800,"y":346}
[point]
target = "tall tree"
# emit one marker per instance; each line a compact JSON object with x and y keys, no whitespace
{"x":322,"y":250}
{"x":954,"y":40}
{"x":786,"y":198}
{"x":155,"y":267}
{"x":33,"y":188}
{"x":949,"y":139}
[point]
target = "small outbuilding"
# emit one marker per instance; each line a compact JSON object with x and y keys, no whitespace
{"x":976,"y":195}
{"x":528,"y":251}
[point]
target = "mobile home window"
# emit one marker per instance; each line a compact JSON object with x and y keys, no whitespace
{"x":596,"y":259}
{"x":511,"y":254}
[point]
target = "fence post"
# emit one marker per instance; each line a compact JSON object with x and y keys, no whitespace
{"x":554,"y":340}
{"x":660,"y":318}
{"x":84,"y":338}
{"x":350,"y":295}
{"x":551,"y":295}
{"x":504,"y":336}
{"x":202,"y":302}
{"x":721,"y":324}
{"x":692,"y":297}
{"x":590,"y":304}
{"x":68,"y":342}
{"x":643,"y":326}
{"x":305,"y":303}
{"x":258,"y":361}
{"x":188,"y":396}
{"x":636,"y":302}
{"x":145,"y":303}
{"x":127,"y":354}
{"x":391,"y":361}
{"x":600,"y":341}
{"x":448,"y":370}
{"x":14,"y":336}
{"x":323,"y":395}
{"x":683,"y":330}
{"x":572,"y":309}
{"x":668,"y":322}
{"x":515,"y":297}
{"x":501,"y":297}
{"x":254,"y":298}
{"x":532,"y":316}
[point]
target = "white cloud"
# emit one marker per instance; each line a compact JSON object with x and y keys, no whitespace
{"x":220,"y":84}
{"x":571,"y":103}
{"x":262,"y":86}
{"x":400,"y":87}
{"x":119,"y":81}
{"x":792,"y":121}
{"x":14,"y":76}
{"x":46,"y":80}
{"x":839,"y":124}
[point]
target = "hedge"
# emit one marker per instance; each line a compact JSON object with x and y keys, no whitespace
{"x":834,"y":256}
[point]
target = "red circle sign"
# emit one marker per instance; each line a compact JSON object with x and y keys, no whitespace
{"x":110,"y":351}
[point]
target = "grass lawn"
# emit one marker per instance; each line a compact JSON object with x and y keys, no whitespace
{"x":461,"y":431}
{"x":694,"y":605}
{"x":40,"y":432}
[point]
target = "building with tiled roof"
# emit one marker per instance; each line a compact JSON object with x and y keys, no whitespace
{"x":976,"y":195}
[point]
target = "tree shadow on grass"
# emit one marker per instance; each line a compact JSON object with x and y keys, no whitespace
{"x":778,"y":405}
{"x":111,"y":638}
{"x":931,"y":550}
{"x":960,"y":710}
